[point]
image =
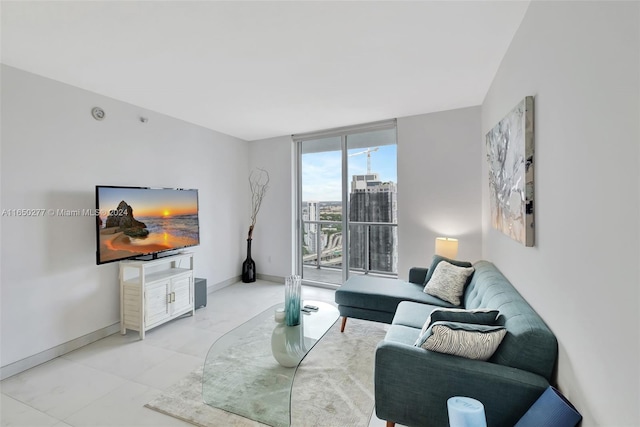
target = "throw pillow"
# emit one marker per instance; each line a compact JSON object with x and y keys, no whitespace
{"x":479,"y":316}
{"x":468,"y":340}
{"x":437,"y":259}
{"x":448,"y":281}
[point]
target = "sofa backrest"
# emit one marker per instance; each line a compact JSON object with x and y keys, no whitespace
{"x":529,"y":343}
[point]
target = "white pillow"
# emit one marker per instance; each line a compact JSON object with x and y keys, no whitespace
{"x":447,"y":282}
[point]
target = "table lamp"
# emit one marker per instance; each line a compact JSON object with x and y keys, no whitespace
{"x":447,"y":247}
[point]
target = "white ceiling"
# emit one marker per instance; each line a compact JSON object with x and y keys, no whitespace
{"x":261,"y":69}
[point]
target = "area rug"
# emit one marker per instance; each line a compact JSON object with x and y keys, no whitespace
{"x":333,"y":385}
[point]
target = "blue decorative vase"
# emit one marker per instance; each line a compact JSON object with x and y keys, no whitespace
{"x":292,"y":300}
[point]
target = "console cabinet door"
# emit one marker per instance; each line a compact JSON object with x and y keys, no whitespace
{"x":156,"y":301}
{"x":182,"y":299}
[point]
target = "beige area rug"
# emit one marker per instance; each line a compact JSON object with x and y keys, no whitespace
{"x":333,"y":385}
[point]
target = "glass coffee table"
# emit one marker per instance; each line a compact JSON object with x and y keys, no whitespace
{"x":241,"y":374}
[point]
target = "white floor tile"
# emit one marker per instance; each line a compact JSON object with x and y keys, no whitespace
{"x":60,"y":387}
{"x":17,"y":414}
{"x":120,"y":355}
{"x":170,"y":371}
{"x":124,"y":406}
{"x":173,"y":335}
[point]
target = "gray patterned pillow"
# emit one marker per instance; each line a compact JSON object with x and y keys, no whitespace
{"x":479,"y":316}
{"x":447,"y":282}
{"x":468,"y":340}
{"x":437,"y":259}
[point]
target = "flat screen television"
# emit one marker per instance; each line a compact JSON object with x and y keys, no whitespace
{"x":142,"y":222}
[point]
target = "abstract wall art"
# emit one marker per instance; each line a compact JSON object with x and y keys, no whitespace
{"x":510,"y":157}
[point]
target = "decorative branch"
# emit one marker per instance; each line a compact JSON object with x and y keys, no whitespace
{"x":259,"y":184}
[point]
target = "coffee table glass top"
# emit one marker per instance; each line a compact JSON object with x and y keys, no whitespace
{"x":241,"y":374}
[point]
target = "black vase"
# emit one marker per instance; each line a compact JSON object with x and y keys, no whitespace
{"x":248,"y":266}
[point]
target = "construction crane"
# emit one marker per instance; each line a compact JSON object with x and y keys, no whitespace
{"x":368,"y":152}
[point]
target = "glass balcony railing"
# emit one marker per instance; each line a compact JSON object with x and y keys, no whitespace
{"x":373,"y":247}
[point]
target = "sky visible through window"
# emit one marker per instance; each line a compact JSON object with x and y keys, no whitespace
{"x":322,"y":172}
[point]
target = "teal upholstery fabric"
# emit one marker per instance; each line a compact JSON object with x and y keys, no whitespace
{"x":412,"y":314}
{"x":418,"y":275}
{"x":402,"y":334}
{"x":366,"y":314}
{"x":412,"y":384}
{"x":376,"y":298}
{"x":529,"y":344}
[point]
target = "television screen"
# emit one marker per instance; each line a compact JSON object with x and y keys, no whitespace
{"x":138,"y":221}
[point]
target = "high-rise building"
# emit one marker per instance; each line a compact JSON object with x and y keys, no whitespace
{"x":311,"y":213}
{"x":373,"y":201}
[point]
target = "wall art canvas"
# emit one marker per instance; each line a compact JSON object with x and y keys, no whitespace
{"x":510,"y":157}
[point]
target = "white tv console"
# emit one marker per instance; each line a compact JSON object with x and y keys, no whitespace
{"x":154,"y":292}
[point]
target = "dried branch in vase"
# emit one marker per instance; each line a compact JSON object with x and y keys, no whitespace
{"x":259,"y":184}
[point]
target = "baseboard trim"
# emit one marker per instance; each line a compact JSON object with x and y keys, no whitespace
{"x":217,"y":286}
{"x":57,"y":351}
{"x":270,"y":278}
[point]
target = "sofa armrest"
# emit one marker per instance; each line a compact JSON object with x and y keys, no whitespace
{"x":412,"y":386}
{"x":417,"y":275}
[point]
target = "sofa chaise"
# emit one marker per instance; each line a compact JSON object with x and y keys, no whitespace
{"x":377,"y":298}
{"x":412,"y":385}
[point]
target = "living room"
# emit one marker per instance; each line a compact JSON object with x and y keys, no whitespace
{"x":580,"y":60}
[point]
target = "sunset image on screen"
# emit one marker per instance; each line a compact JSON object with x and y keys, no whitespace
{"x":139,"y":221}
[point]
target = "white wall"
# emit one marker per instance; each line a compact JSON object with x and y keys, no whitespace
{"x":53,"y":155}
{"x":272,"y":247}
{"x":581,"y":62}
{"x":438,"y":189}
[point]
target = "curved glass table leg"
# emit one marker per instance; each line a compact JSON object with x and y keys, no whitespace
{"x":244,"y":373}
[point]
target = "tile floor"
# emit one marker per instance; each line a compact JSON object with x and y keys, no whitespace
{"x":108,"y":382}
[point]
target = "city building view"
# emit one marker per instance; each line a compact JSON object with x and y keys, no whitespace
{"x":371,"y":209}
{"x":372,"y":201}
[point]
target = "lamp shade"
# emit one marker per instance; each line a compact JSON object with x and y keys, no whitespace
{"x":447,"y":247}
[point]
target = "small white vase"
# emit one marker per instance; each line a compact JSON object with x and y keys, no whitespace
{"x":287,"y":342}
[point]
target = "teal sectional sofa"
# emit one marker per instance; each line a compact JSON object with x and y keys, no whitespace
{"x":377,"y":298}
{"x":412,"y":384}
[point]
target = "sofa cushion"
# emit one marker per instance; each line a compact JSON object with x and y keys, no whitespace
{"x":478,"y":316}
{"x":448,"y":282}
{"x":468,"y":340}
{"x":437,"y":259}
{"x":412,"y":314}
{"x":405,"y":335}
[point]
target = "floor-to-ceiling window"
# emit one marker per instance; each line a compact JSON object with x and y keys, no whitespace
{"x":347,"y":203}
